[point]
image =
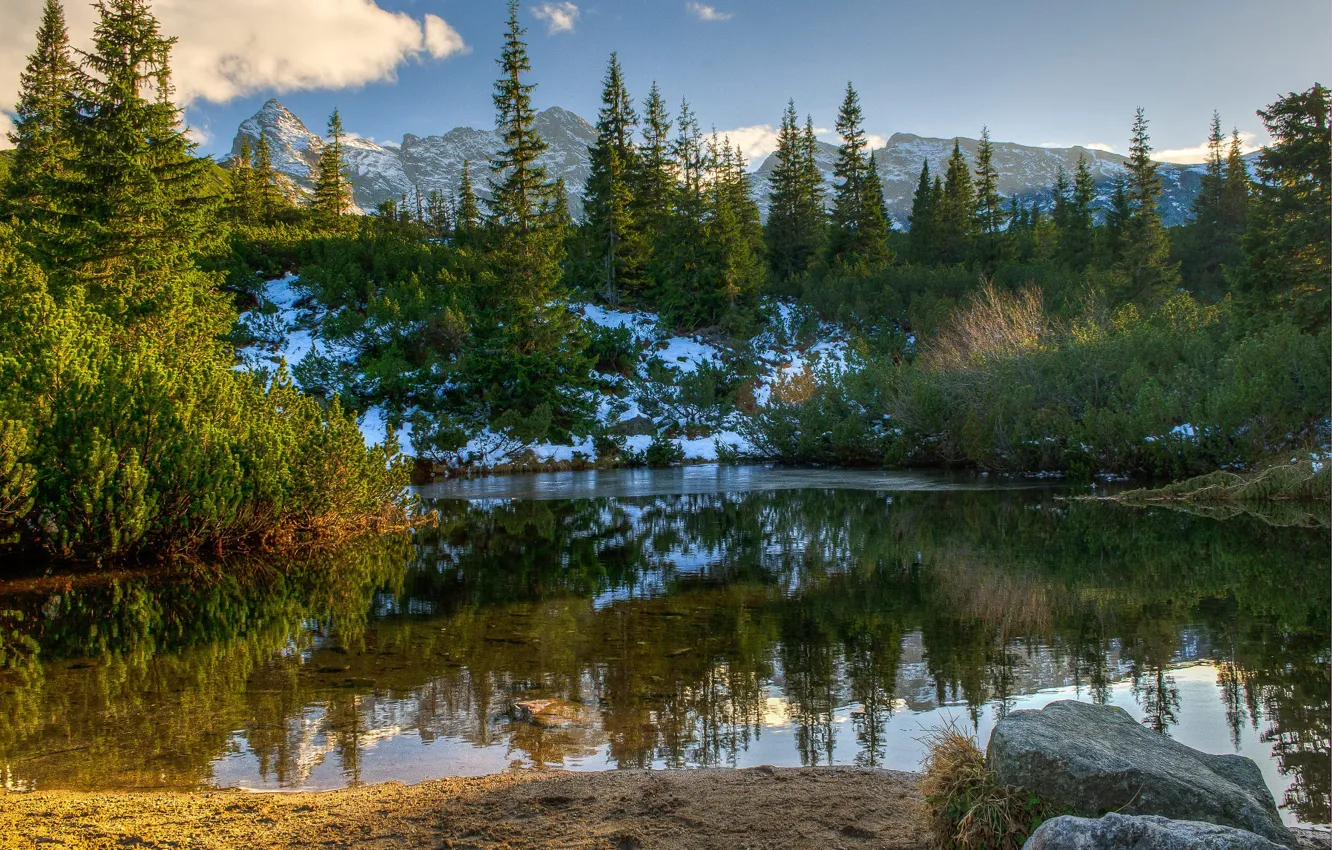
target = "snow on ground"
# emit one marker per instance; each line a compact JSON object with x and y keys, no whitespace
{"x":685,"y":354}
{"x":284,"y":326}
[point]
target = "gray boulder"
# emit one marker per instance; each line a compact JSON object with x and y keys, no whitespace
{"x":1088,"y":760}
{"x":1141,"y":832}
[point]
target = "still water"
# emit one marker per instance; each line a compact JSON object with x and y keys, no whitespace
{"x":706,"y":616}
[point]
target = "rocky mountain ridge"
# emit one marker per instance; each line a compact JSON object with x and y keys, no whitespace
{"x":387,"y":171}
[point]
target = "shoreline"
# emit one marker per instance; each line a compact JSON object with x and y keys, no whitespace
{"x":762,"y":807}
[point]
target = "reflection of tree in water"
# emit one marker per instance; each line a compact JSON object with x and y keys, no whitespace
{"x":666,"y":623}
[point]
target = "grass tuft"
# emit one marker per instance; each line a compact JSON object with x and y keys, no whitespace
{"x":966,"y":807}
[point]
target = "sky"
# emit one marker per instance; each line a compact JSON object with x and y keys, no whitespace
{"x":1034,"y":72}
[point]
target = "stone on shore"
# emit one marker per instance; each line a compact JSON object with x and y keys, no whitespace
{"x":1141,"y":832}
{"x":1088,"y":760}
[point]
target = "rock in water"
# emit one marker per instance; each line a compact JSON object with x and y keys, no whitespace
{"x":1088,"y":760}
{"x":1141,"y":832}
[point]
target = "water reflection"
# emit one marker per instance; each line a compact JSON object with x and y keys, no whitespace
{"x":724,"y":628}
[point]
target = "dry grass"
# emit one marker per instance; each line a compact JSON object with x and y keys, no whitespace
{"x":966,"y":808}
{"x":994,"y":324}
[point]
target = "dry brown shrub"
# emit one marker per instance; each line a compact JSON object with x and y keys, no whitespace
{"x":966,"y":807}
{"x":794,"y":388}
{"x":994,"y":324}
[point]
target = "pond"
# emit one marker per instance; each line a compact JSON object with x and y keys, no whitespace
{"x":706,"y":616}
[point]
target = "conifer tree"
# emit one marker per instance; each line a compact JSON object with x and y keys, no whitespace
{"x":1238,"y":188}
{"x":734,"y":238}
{"x":989,"y":203}
{"x":436,"y":215}
{"x":332,"y":192}
{"x":654,"y":175}
{"x":242,"y":189}
{"x":271,"y":199}
{"x":922,"y":219}
{"x":794,"y":232}
{"x":617,"y":246}
{"x":1059,"y":212}
{"x":1146,"y":246}
{"x":877,"y":219}
{"x":680,"y":256}
{"x":527,"y":357}
{"x":1207,"y":203}
{"x":857,"y":233}
{"x":139,"y":195}
{"x":1289,"y":216}
{"x":1116,"y":221}
{"x":41,"y":135}
{"x":1075,"y":241}
{"x":467,"y":219}
{"x":955,"y":217}
{"x":1207,"y":245}
{"x":519,"y":187}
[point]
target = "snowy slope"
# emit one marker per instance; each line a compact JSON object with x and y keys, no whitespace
{"x":384,"y":171}
{"x":1028,"y":172}
{"x":285,"y":326}
{"x":381,"y":172}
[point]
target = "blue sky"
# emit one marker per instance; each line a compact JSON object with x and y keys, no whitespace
{"x":1034,"y":72}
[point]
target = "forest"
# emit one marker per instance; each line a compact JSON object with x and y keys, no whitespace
{"x":984,"y":333}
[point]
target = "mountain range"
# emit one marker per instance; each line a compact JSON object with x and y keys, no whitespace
{"x":387,"y":171}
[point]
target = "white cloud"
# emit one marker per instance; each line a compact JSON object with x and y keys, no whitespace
{"x":1198,"y":153}
{"x":706,"y":13}
{"x":198,"y":135}
{"x":441,"y":39}
{"x":559,"y":17}
{"x":6,"y":125}
{"x":238,"y":47}
{"x":755,"y":142}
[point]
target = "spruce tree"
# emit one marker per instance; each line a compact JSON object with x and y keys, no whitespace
{"x":1206,"y":244}
{"x":519,"y":187}
{"x":1059,"y":212}
{"x":989,"y":203}
{"x":654,"y":175}
{"x":857,"y":233}
{"x":139,"y":196}
{"x":243,"y":200}
{"x":680,"y":255}
{"x":467,"y":219}
{"x":812,"y":191}
{"x":1289,"y":216}
{"x":1238,"y":188}
{"x":527,"y":356}
{"x":1116,"y":221}
{"x":794,"y":232}
{"x":271,"y":199}
{"x":617,"y":250}
{"x":734,"y":238}
{"x":437,"y":218}
{"x":1146,"y":246}
{"x":1075,"y":241}
{"x":43,"y":147}
{"x":922,"y":219}
{"x":955,"y":217}
{"x":332,"y":192}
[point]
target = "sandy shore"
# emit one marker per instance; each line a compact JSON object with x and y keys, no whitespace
{"x":616,"y":810}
